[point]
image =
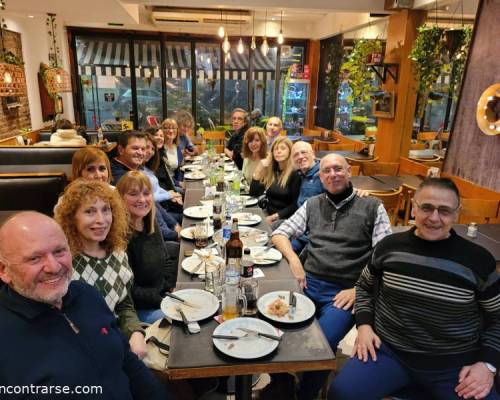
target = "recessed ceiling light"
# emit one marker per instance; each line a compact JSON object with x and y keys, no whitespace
{"x":31,"y":16}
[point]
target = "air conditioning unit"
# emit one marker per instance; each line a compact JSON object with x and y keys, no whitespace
{"x":162,"y":15}
{"x":398,"y":4}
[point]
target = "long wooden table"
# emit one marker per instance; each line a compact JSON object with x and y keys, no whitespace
{"x":303,"y":346}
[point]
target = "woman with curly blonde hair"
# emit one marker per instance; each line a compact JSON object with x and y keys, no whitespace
{"x":95,"y":222}
{"x":276,"y":176}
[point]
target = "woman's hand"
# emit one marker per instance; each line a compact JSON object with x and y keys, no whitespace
{"x":366,"y":343}
{"x":137,"y":343}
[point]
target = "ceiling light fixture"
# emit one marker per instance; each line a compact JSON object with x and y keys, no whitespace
{"x":226,"y":46}
{"x":264,"y":48}
{"x":240,"y":49}
{"x":221,"y":32}
{"x":281,"y":38}
{"x":253,"y":45}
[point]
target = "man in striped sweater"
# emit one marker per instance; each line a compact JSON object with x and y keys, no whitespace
{"x":427,"y":310}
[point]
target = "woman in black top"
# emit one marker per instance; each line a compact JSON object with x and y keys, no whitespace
{"x":276,"y":176}
{"x":155,"y":271}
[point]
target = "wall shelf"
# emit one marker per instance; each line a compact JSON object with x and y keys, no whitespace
{"x":391,"y":69}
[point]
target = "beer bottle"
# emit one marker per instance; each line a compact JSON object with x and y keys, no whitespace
{"x":234,"y":249}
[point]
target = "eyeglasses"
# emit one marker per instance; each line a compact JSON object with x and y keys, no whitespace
{"x":443,"y":211}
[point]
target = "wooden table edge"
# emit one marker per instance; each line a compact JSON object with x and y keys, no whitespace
{"x":249,"y":369}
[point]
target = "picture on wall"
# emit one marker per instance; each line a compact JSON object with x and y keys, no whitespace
{"x":383,"y":105}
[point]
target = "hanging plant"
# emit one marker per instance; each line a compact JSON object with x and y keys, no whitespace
{"x":426,"y":55}
{"x":360,"y":75}
{"x":10,"y":58}
{"x":458,"y":59}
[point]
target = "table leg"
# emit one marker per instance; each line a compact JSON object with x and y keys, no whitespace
{"x":243,"y":387}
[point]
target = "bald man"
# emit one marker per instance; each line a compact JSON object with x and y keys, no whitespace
{"x":59,"y":336}
{"x":343,"y":229}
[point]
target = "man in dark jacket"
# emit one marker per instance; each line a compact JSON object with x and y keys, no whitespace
{"x":59,"y":336}
{"x":239,"y":120}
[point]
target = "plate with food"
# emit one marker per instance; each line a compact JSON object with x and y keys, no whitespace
{"x":188,"y":233}
{"x":262,"y":255}
{"x":199,"y":260}
{"x":246,"y":345}
{"x":250,"y":201}
{"x":276,"y":306}
{"x":247,"y":219}
{"x":249,"y":236}
{"x":200,"y":305}
{"x":195,"y":176}
{"x":198,"y":212}
{"x":191,"y":167}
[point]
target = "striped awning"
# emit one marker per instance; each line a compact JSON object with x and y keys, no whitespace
{"x":111,"y":58}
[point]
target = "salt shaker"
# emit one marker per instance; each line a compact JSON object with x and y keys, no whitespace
{"x":472,"y":230}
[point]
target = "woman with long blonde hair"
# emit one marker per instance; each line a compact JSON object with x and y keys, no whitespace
{"x":254,"y":150}
{"x":155,"y":269}
{"x":277,"y":177}
{"x":95,"y":222}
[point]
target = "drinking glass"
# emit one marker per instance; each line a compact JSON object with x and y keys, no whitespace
{"x":214,"y":278}
{"x":201,"y":235}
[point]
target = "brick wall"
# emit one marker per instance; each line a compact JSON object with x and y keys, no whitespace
{"x":18,"y":118}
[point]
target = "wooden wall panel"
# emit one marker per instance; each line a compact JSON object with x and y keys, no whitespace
{"x":313,"y":62}
{"x":472,"y":155}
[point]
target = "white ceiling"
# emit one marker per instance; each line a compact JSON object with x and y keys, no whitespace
{"x":301,"y":19}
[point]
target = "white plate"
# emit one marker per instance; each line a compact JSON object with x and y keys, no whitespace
{"x":198,"y":212}
{"x":207,"y":305}
{"x":271,"y":256}
{"x":188,"y":233}
{"x":249,"y":236}
{"x":229,"y":168}
{"x":305,"y":307}
{"x":247,"y":219}
{"x":207,"y":203}
{"x":194,"y":265}
{"x":250,"y":201}
{"x":195,"y":176}
{"x":191,"y":167}
{"x":249,"y":347}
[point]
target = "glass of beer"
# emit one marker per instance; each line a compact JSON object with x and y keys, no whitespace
{"x":250,"y":289}
{"x":201,"y":235}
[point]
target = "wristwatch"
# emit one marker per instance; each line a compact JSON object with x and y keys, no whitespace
{"x":491,"y":368}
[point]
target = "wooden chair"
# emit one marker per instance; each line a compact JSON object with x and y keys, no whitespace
{"x":320,"y":145}
{"x":217,"y":136}
{"x":354,"y":170}
{"x":380,"y":168}
{"x":477,"y":210}
{"x":311,"y":132}
{"x":391,"y":203}
{"x":417,"y":146}
{"x":359,"y":162}
{"x":341,"y":147}
{"x":219,"y":148}
{"x":411,"y":167}
{"x":427,"y":136}
{"x":404,"y":209}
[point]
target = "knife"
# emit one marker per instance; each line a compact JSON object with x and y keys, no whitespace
{"x":185,"y":302}
{"x":292,"y":301}
{"x":266,"y":335}
{"x":229,"y":337}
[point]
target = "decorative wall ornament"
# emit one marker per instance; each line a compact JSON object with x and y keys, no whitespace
{"x":12,"y":79}
{"x":56,"y":79}
{"x":488,"y":110}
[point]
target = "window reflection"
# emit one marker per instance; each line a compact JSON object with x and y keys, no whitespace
{"x":178,"y":77}
{"x":208,"y":76}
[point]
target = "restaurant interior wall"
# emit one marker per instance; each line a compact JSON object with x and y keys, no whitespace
{"x":212,"y":98}
{"x":35,"y":48}
{"x":17,"y":117}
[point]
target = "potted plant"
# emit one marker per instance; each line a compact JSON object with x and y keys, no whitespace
{"x":360,"y":75}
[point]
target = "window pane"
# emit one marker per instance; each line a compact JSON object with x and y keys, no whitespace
{"x":235,"y":82}
{"x":103,"y":68}
{"x":148,"y":82}
{"x":264,"y":80}
{"x":207,"y":84}
{"x":179,"y":90}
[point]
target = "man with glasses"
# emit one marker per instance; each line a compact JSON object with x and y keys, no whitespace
{"x":427,"y":310}
{"x":343,"y":229}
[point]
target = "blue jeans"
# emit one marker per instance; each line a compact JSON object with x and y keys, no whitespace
{"x":150,"y":316}
{"x":334,"y":322}
{"x":388,"y":375}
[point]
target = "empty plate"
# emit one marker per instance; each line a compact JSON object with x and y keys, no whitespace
{"x":198,"y":212}
{"x":262,"y":255}
{"x":247,"y":219}
{"x":188,"y":233}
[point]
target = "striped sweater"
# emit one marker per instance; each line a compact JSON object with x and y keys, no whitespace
{"x":436,"y":304}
